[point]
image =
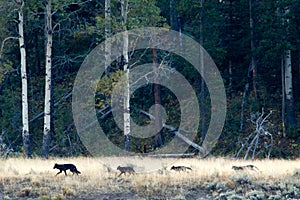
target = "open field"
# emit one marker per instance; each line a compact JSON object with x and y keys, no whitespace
{"x":211,"y":178}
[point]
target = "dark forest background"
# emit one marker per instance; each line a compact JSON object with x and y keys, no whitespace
{"x":249,"y":40}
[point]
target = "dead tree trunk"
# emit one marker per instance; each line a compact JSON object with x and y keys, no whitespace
{"x":173,"y":17}
{"x":107,"y":35}
{"x":203,"y":91}
{"x":253,"y":60}
{"x":202,"y":151}
{"x":159,"y":138}
{"x":261,"y":138}
{"x":246,"y":90}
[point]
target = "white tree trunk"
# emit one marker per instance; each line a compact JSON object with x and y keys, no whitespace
{"x":124,"y":11}
{"x":291,"y":122}
{"x":25,"y":128}
{"x":283,"y":96}
{"x":288,"y":75}
{"x":107,"y":35}
{"x":47,"y":109}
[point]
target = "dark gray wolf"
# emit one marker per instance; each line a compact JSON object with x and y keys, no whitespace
{"x":123,"y":170}
{"x":252,"y":167}
{"x":180,"y":168}
{"x":65,"y":167}
{"x":236,"y":168}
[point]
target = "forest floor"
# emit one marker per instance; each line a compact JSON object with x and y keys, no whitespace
{"x":210,"y":178}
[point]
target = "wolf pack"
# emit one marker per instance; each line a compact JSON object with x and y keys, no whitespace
{"x":123,"y":170}
{"x":129,"y":170}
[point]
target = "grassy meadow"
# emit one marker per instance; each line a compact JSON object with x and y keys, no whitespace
{"x":210,"y":178}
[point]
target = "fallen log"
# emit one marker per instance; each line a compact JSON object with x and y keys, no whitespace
{"x":184,"y":155}
{"x":177,"y":133}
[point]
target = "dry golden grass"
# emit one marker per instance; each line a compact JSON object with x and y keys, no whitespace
{"x":36,"y":178}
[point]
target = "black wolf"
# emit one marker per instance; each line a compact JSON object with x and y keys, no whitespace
{"x":123,"y":170}
{"x":65,"y":167}
{"x":180,"y":168}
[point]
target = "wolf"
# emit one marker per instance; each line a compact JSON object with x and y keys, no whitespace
{"x":65,"y":167}
{"x":236,"y":168}
{"x":252,"y":167}
{"x":123,"y":170}
{"x":180,"y":168}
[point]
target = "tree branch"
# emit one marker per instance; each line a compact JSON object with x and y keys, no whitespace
{"x":3,"y":43}
{"x":177,"y":133}
{"x":41,"y":114}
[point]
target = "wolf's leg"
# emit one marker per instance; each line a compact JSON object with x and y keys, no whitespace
{"x":121,"y":174}
{"x":60,"y":171}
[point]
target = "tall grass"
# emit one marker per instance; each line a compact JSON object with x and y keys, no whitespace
{"x":103,"y":167}
{"x":99,"y":174}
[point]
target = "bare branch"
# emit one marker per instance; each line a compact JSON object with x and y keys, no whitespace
{"x":3,"y":43}
{"x":41,"y":114}
{"x":262,"y":126}
{"x":177,"y":133}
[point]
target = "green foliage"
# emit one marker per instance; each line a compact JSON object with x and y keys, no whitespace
{"x":141,"y":13}
{"x":188,"y":11}
{"x":79,"y":27}
{"x":105,"y":88}
{"x":5,"y":67}
{"x":292,"y":132}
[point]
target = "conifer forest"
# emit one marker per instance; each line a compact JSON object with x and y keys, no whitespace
{"x":255,"y":45}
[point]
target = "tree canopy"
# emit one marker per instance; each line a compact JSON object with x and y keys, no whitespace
{"x":79,"y":26}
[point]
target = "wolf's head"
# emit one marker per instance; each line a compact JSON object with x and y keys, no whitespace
{"x":55,"y":166}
